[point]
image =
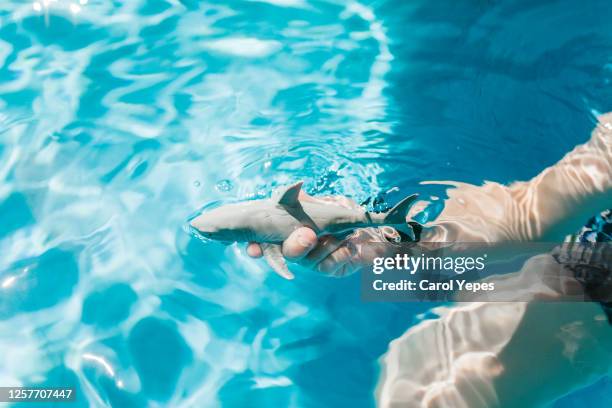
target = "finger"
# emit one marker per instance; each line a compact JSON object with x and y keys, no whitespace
{"x":343,"y":269}
{"x":335,"y":262}
{"x":299,"y":243}
{"x":254,"y":250}
{"x":327,"y":244}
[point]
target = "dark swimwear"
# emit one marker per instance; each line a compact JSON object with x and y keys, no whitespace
{"x":588,"y":256}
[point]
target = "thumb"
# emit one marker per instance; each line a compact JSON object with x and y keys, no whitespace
{"x":299,"y":243}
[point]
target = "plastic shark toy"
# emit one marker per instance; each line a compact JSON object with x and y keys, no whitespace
{"x":270,"y":221}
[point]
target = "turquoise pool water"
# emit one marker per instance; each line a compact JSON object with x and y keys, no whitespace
{"x":119,"y":119}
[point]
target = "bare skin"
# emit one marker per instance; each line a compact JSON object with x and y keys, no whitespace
{"x":483,"y":354}
{"x":303,"y":245}
{"x":547,"y":207}
{"x":475,"y":354}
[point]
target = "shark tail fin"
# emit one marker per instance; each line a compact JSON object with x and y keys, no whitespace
{"x":397,"y":214}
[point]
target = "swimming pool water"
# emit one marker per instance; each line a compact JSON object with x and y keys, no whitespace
{"x":119,"y":119}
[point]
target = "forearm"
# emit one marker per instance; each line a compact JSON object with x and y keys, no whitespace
{"x":487,"y":354}
{"x":558,"y":200}
{"x":564,"y":196}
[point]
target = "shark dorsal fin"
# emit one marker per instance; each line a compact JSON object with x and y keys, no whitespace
{"x":288,"y":196}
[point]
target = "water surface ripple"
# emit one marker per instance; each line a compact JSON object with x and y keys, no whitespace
{"x":118,"y":119}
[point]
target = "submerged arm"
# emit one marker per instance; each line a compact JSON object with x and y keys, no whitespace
{"x":558,"y":200}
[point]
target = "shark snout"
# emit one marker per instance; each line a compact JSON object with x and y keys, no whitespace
{"x":205,"y":224}
{"x":227,"y":223}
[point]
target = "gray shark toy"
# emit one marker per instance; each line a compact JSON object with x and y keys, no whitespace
{"x":271,"y":221}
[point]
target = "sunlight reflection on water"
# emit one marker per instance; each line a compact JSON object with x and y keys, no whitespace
{"x":121,"y":118}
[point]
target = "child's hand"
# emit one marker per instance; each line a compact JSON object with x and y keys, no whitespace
{"x":328,"y":254}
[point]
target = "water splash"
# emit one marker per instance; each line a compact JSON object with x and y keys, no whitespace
{"x":224,"y":186}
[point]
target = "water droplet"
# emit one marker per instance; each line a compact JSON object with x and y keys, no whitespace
{"x":197,"y":183}
{"x":224,"y":186}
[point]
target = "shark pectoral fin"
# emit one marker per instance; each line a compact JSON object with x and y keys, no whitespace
{"x":397,"y":215}
{"x":299,"y":214}
{"x":288,"y":196}
{"x":275,"y":258}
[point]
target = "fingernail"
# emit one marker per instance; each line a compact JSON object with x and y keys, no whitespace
{"x":303,"y":241}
